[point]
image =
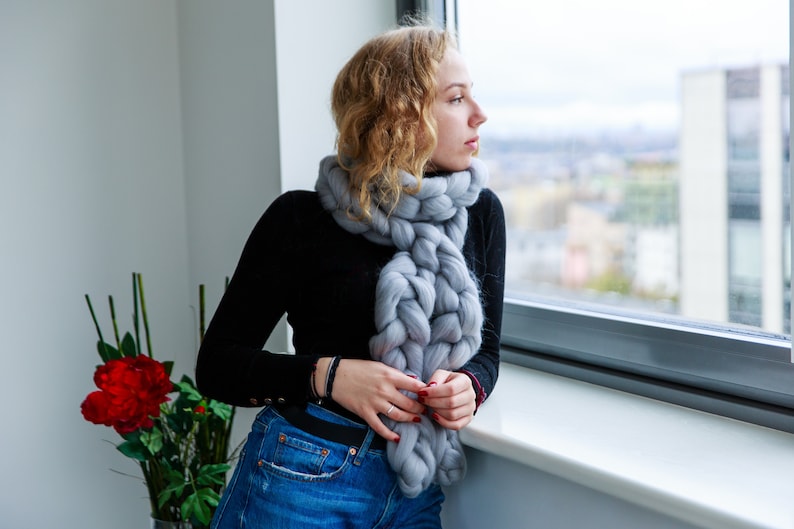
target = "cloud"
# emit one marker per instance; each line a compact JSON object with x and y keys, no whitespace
{"x":572,"y":64}
{"x":580,"y":116}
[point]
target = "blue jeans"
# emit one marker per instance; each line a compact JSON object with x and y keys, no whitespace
{"x":289,"y":479}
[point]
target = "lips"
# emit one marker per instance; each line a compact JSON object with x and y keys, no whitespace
{"x":473,"y":143}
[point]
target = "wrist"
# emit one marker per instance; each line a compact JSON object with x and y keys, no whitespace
{"x":320,"y":375}
{"x":479,"y":392}
{"x":331,"y":376}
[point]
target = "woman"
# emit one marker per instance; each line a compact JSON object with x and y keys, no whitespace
{"x":391,"y":276}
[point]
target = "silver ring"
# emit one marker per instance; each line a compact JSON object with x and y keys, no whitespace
{"x":390,"y":410}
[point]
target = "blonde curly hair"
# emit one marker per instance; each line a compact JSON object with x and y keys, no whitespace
{"x":381,"y":103}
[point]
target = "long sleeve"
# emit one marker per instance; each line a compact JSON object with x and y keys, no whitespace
{"x":485,"y":250}
{"x":231,"y":365}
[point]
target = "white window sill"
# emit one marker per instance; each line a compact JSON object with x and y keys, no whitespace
{"x":703,"y":469}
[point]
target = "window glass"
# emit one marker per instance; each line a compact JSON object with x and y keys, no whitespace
{"x":635,"y":146}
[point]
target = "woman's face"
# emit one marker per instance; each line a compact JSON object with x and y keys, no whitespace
{"x":458,"y":116}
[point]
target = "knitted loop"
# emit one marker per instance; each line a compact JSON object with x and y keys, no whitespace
{"x":427,"y":310}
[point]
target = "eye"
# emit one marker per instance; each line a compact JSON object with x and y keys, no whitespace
{"x":456,"y":100}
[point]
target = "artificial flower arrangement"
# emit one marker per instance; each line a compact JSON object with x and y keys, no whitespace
{"x":180,"y":442}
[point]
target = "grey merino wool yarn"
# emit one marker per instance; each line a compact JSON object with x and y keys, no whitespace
{"x":428,"y":314}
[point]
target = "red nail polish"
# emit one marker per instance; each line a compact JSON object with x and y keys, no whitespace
{"x":422,"y":393}
{"x":413,"y":376}
{"x":397,"y":439}
{"x":436,"y":417}
{"x":417,"y":419}
{"x":421,"y":400}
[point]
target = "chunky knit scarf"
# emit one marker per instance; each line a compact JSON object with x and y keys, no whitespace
{"x":428,"y":314}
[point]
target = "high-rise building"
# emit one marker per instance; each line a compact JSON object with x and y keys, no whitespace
{"x":734,"y":197}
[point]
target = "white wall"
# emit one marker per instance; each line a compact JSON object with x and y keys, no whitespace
{"x":91,"y":189}
{"x":309,"y":59}
{"x":230,"y":117}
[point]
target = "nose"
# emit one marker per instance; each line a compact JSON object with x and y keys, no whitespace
{"x":478,"y":116}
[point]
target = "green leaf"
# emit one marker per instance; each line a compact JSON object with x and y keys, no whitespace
{"x":176,"y":487}
{"x":208,"y":481}
{"x":163,"y":497}
{"x":196,"y":505}
{"x":128,"y":347}
{"x":210,"y":497}
{"x":175,"y":478}
{"x":133,"y":449}
{"x":213,"y":474}
{"x":214,"y":468}
{"x":152,"y":440}
{"x":188,"y":380}
{"x":168,"y":365}
{"x":222,"y":410}
{"x":187,"y":389}
{"x":103,"y":353}
{"x":107,"y":351}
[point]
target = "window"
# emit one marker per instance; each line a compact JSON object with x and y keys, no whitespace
{"x":641,"y":151}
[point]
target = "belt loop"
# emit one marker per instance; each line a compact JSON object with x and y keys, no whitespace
{"x":364,"y":446}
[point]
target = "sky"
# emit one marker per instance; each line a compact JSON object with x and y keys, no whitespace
{"x":568,"y":65}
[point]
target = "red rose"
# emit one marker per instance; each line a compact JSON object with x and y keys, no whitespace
{"x":131,"y":391}
{"x":95,"y":408}
{"x":199,"y":409}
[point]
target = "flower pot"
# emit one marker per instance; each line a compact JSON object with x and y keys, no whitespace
{"x":162,"y":524}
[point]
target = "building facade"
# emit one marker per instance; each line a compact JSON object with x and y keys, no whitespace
{"x":734,"y":197}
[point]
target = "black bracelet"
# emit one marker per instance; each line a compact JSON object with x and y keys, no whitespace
{"x":329,"y":381}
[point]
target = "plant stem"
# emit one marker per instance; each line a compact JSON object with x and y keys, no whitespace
{"x":149,"y":471}
{"x":96,"y":325}
{"x":115,"y":325}
{"x":145,"y":317}
{"x":135,"y":320}
{"x":201,"y":313}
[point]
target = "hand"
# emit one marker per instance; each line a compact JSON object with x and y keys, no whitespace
{"x":452,"y":398}
{"x":368,"y":388}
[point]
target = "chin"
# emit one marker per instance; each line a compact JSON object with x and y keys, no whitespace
{"x":453,"y":166}
{"x":462,"y":166}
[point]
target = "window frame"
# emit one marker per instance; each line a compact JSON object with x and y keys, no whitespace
{"x":741,"y":373}
{"x":744,"y":374}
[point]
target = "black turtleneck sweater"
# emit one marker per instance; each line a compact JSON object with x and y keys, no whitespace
{"x":298,"y":261}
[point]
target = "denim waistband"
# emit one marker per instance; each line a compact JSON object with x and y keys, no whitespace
{"x":324,"y":423}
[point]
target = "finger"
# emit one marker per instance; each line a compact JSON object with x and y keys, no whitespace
{"x":408,"y":383}
{"x":453,"y":384}
{"x":407,"y":404}
{"x":457,"y":399}
{"x":445,"y":383}
{"x":455,"y":413}
{"x":452,"y":424}
{"x":381,"y":429}
{"x":444,"y":396}
{"x":455,"y":416}
{"x":438,"y":378}
{"x":400,"y":414}
{"x":442,"y":403}
{"x":454,"y":392}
